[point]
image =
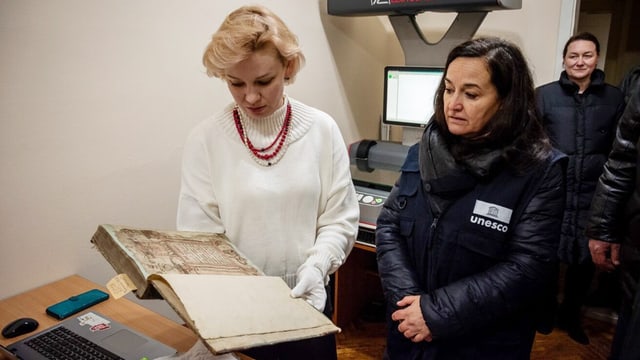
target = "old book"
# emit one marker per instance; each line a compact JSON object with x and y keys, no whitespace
{"x":219,"y":293}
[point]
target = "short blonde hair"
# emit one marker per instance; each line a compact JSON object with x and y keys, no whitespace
{"x":246,"y":30}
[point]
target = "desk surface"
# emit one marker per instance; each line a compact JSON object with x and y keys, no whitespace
{"x":34,"y":302}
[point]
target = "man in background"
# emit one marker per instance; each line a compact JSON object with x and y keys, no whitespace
{"x":614,"y":226}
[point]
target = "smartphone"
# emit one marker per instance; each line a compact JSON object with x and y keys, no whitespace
{"x":76,"y":303}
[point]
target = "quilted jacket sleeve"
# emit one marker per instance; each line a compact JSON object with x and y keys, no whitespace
{"x":397,"y":276}
{"x":617,"y":181}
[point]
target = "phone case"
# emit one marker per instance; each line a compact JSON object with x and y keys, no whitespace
{"x":76,"y":303}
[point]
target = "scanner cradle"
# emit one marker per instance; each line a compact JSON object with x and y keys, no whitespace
{"x":391,"y":7}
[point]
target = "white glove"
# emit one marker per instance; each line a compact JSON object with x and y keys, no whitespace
{"x":310,"y":287}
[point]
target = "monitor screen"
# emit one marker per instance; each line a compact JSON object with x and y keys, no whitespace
{"x":409,"y":93}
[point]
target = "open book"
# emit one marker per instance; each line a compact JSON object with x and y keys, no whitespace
{"x":219,"y":293}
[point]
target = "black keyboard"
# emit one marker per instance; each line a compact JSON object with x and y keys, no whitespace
{"x":63,"y":344}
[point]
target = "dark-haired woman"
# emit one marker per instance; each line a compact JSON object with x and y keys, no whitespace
{"x":580,"y":112}
{"x":467,"y":240}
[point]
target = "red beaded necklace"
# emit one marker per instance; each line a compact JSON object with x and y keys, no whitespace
{"x":280,"y":138}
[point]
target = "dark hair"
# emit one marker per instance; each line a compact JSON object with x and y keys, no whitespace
{"x":516,"y":126}
{"x":587,"y":36}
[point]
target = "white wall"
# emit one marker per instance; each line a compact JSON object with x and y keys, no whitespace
{"x":97,"y":97}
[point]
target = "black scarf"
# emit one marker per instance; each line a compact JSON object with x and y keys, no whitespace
{"x":446,"y":179}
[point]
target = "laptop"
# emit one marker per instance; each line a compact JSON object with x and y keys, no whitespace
{"x":114,"y":341}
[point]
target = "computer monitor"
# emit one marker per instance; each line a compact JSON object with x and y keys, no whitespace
{"x":408,"y":94}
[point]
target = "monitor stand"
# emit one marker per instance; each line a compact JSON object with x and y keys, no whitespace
{"x":420,"y":52}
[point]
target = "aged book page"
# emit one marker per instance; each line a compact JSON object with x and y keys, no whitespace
{"x":140,"y":253}
{"x":229,"y":312}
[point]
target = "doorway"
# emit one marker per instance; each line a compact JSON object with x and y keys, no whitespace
{"x":611,"y":21}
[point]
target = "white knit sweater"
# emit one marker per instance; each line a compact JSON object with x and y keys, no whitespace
{"x":301,"y":209}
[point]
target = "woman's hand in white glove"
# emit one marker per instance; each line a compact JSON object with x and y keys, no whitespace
{"x":310,"y":287}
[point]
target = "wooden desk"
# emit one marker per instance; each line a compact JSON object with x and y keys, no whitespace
{"x":34,"y":302}
{"x":356,"y":285}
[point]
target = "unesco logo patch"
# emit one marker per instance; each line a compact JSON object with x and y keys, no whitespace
{"x":492,"y":216}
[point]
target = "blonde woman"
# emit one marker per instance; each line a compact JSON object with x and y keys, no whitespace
{"x":269,"y":171}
